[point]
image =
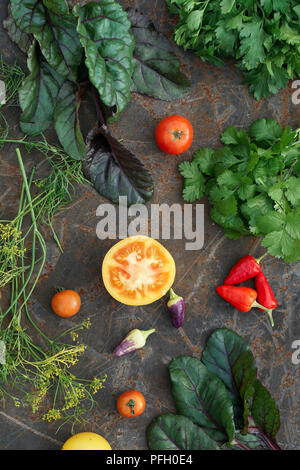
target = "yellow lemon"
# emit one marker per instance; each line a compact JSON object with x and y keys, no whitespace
{"x":86,"y":441}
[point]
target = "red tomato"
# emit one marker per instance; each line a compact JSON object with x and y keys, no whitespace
{"x":131,"y":404}
{"x":66,"y":303}
{"x":174,"y":135}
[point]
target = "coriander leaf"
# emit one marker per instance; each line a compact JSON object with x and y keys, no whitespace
{"x":104,"y":29}
{"x":270,"y":222}
{"x":247,"y":191}
{"x":114,"y":170}
{"x":227,"y":6}
{"x":266,"y":131}
{"x":251,"y":47}
{"x":194,"y":182}
{"x":293,"y":225}
{"x":66,"y":121}
{"x":38,"y":93}
{"x":229,"y":179}
{"x":204,"y":158}
{"x":292,"y":192}
{"x":279,"y":243}
{"x":156,"y":69}
{"x":233,"y":225}
{"x":262,"y":84}
{"x":175,"y":432}
{"x":276,"y":192}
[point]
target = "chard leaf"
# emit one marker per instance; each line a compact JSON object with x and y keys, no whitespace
{"x":60,"y":44}
{"x":114,"y":170}
{"x":174,"y":432}
{"x":250,"y":441}
{"x":29,"y":15}
{"x":105,"y":35}
{"x":23,"y":40}
{"x":57,"y":6}
{"x":67,"y":122}
{"x":38,"y":93}
{"x":202,"y":397}
{"x":156,"y":69}
{"x":54,"y":29}
{"x":227,"y":356}
{"x":264,"y":411}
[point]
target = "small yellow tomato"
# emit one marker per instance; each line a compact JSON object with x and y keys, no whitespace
{"x":86,"y":441}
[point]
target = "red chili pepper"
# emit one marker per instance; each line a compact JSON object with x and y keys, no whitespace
{"x":265,"y":295}
{"x":242,"y":298}
{"x":245,"y":269}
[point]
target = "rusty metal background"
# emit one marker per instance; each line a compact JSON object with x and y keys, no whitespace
{"x":217,"y":99}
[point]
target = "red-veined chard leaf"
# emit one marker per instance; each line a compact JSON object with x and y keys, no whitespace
{"x":264,"y":411}
{"x":28,"y":14}
{"x":247,"y":442}
{"x":175,"y":432}
{"x":114,"y":170}
{"x":38,"y":93}
{"x":105,"y":35}
{"x":227,"y":356}
{"x":23,"y":40}
{"x":66,"y":121}
{"x":156,"y":69}
{"x":55,"y":32}
{"x":57,"y":6}
{"x":202,"y":397}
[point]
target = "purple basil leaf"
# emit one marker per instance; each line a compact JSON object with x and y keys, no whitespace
{"x":114,"y":170}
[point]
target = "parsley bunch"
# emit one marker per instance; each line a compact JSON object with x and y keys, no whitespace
{"x":252,"y":184}
{"x":262,"y":35}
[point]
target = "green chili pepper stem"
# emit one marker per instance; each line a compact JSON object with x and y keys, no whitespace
{"x":147,"y":333}
{"x":259,"y":260}
{"x":267,"y":310}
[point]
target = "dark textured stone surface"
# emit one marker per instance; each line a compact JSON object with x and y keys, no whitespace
{"x":217,"y":99}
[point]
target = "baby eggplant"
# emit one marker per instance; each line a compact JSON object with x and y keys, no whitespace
{"x":136,"y":339}
{"x":176,"y":307}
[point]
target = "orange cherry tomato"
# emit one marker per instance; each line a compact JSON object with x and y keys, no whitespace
{"x":66,"y":303}
{"x":174,"y":135}
{"x":131,"y":404}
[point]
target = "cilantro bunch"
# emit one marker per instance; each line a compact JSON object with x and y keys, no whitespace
{"x":252,"y":184}
{"x":263,"y":36}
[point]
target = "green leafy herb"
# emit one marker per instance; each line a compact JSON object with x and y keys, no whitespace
{"x":252,"y":184}
{"x":175,"y":432}
{"x":206,"y":393}
{"x":113,"y":169}
{"x":262,"y":36}
{"x":156,"y":69}
{"x":94,"y":46}
{"x":105,"y":35}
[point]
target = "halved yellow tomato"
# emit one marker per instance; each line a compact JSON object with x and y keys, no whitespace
{"x":138,"y":270}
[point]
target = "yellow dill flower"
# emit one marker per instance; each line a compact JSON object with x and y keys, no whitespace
{"x":52,"y":415}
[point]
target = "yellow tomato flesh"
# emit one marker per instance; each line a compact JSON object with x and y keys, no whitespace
{"x":138,"y":271}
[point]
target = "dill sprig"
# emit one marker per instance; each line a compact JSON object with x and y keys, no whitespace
{"x":32,"y":374}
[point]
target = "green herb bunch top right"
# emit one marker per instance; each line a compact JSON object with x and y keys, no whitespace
{"x":263,"y":36}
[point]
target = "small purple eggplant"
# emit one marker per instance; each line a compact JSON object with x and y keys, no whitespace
{"x":136,"y":339}
{"x":176,"y":307}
